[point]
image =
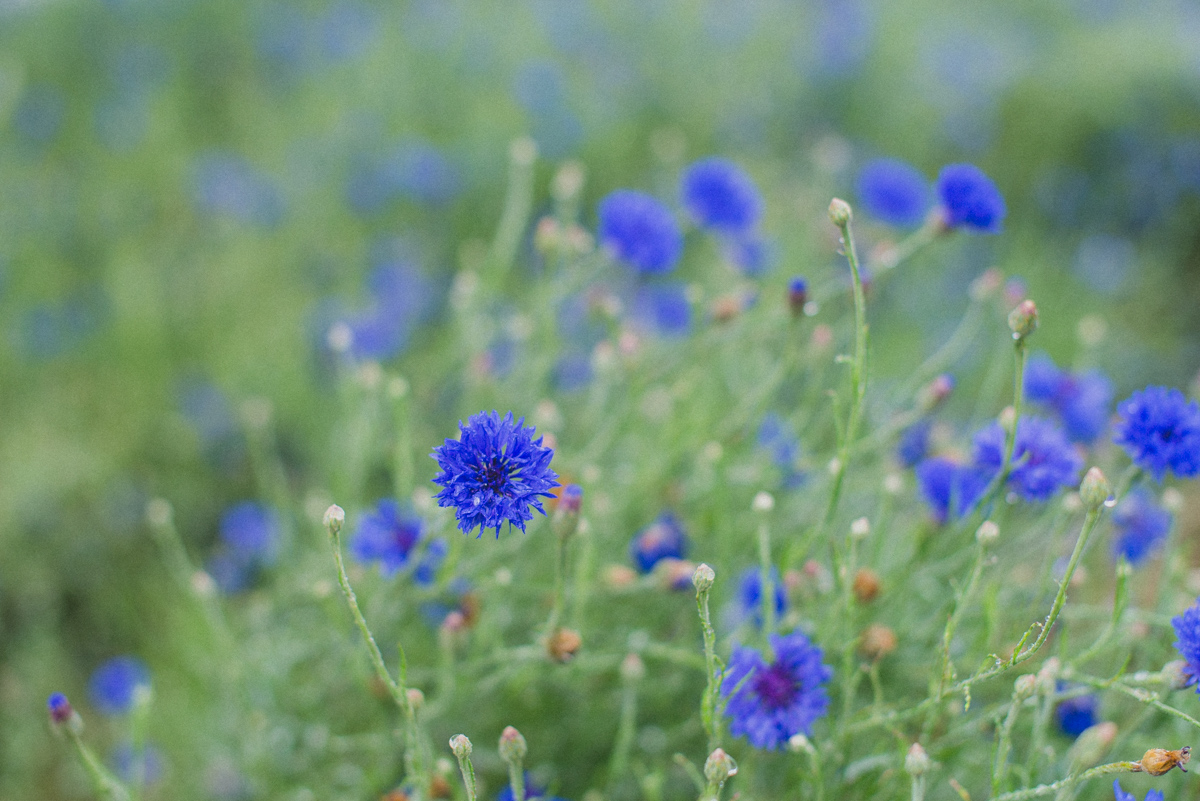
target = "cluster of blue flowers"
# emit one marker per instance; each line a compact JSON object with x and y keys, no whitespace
{"x":898,"y":194}
{"x":1160,"y":430}
{"x":249,"y":534}
{"x":390,"y":534}
{"x":1082,"y":401}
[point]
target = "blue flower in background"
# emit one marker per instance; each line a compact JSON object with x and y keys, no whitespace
{"x":970,"y":199}
{"x":1141,"y":526}
{"x":1153,"y":794}
{"x":251,"y":529}
{"x":1043,"y":459}
{"x":40,"y":113}
{"x":140,"y":766}
{"x":1160,"y":430}
{"x":495,"y":472}
{"x":778,"y":437}
{"x":1082,"y":400}
{"x":224,"y":184}
{"x":415,"y":170}
{"x":532,"y":791}
{"x":720,"y":196}
{"x":662,"y":539}
{"x":750,"y":254}
{"x":639,"y":231}
{"x":1187,"y":629}
{"x":59,"y":708}
{"x":948,"y":485}
{"x":401,"y":298}
{"x":387,"y":535}
{"x":914,"y":443}
{"x":1075,"y":715}
{"x":749,"y":598}
{"x":894,"y":192}
{"x":776,"y":700}
{"x":425,"y":573}
{"x":663,"y":308}
{"x":573,"y":371}
{"x":113,"y":684}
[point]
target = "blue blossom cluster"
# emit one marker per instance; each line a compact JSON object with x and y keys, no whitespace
{"x":898,"y":194}
{"x":1082,"y":401}
{"x":1075,"y":715}
{"x":721,"y":198}
{"x":639,"y":231}
{"x":1141,"y":526}
{"x":389,"y":534}
{"x":249,"y":539}
{"x":1119,"y":794}
{"x":399,"y":299}
{"x":662,"y":539}
{"x":113,"y":686}
{"x":1160,"y":430}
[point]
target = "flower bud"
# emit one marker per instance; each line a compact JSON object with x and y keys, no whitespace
{"x":568,"y":181}
{"x":416,"y":698}
{"x":1094,"y":490}
{"x":547,"y":236}
{"x":703,"y":578}
{"x":935,"y":392}
{"x":1176,"y":675}
{"x":839,"y":212}
{"x":1090,"y":747}
{"x":877,"y":641}
{"x":719,"y":767}
{"x":866,"y":585}
{"x":986,"y":285}
{"x":1047,"y":676}
{"x":512,"y":746}
{"x":60,"y":709}
{"x":987,"y":533}
{"x":797,"y":295}
{"x":563,"y":644}
{"x":633,"y":669}
{"x":566,"y":516}
{"x":1158,"y":761}
{"x":1024,"y":686}
{"x":617,"y":576}
{"x":439,"y":787}
{"x":1023,"y":320}
{"x":763,"y":502}
{"x":461,"y":746}
{"x":335,"y":518}
{"x":916,"y":763}
{"x":860,"y":529}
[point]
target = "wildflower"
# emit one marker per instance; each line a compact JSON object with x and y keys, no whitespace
{"x":750,"y":595}
{"x":663,"y":308}
{"x":387,"y":535}
{"x":1042,"y":460}
{"x":1160,"y":430}
{"x":640,"y":231}
{"x":914,"y":443}
{"x":114,"y":684}
{"x":778,"y":700}
{"x":60,"y":708}
{"x":970,"y":199}
{"x":1081,"y":400}
{"x":251,"y":531}
{"x":532,"y":791}
{"x":751,"y":254}
{"x":426,"y":570}
{"x":893,"y":191}
{"x":1153,"y":794}
{"x":949,"y":486}
{"x":495,"y":472}
{"x":1075,"y":715}
{"x":1141,"y":526}
{"x":1187,"y":629}
{"x":718,"y":195}
{"x":662,"y":539}
{"x":797,"y":295}
{"x":137,"y":765}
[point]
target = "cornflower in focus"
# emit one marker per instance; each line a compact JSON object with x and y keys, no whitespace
{"x":1160,"y":430}
{"x":495,"y":472}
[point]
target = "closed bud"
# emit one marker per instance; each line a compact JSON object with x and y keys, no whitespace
{"x":439,"y":787}
{"x":935,"y":392}
{"x":1047,"y":676}
{"x":703,"y":578}
{"x":633,"y":669}
{"x":566,"y":515}
{"x":461,"y":746}
{"x":1024,"y":686}
{"x":563,"y":644}
{"x":512,"y":746}
{"x":877,"y":641}
{"x":1023,"y":320}
{"x":987,"y":533}
{"x":866,"y":585}
{"x":860,"y":528}
{"x":1158,"y":761}
{"x":1176,"y":675}
{"x":335,"y":518}
{"x":1091,"y":746}
{"x":719,"y":767}
{"x":839,"y":212}
{"x":1094,"y":490}
{"x":986,"y":285}
{"x":916,"y":762}
{"x":797,"y":295}
{"x":547,"y":236}
{"x":763,"y":502}
{"x":60,"y":709}
{"x":416,"y":698}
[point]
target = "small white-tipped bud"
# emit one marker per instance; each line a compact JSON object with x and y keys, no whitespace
{"x":1023,"y":320}
{"x":1024,"y":686}
{"x":1094,"y":490}
{"x":840,"y":213}
{"x":893,"y":483}
{"x":916,"y":762}
{"x":568,"y":181}
{"x":1176,"y":675}
{"x":763,"y":502}
{"x":461,"y":746}
{"x":335,"y":518}
{"x":860,"y":528}
{"x":719,"y":767}
{"x":512,"y":746}
{"x":416,"y":698}
{"x":703,"y":578}
{"x":633,"y":669}
{"x":987,"y":533}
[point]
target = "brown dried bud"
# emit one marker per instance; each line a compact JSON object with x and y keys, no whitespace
{"x":439,"y":787}
{"x":1158,"y":761}
{"x":866,"y":585}
{"x":395,"y":795}
{"x":563,"y":644}
{"x":877,"y":641}
{"x":619,"y":576}
{"x":726,"y":307}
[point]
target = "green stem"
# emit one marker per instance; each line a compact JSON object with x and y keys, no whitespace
{"x":709,"y":713}
{"x":467,"y":770}
{"x":1050,"y":789}
{"x":960,"y":606}
{"x":996,"y":487}
{"x":517,"y":205}
{"x":626,"y":731}
{"x":1004,"y":742}
{"x":560,"y":586}
{"x":107,"y":785}
{"x":767,"y":581}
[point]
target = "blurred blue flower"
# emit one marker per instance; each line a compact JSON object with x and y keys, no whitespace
{"x":778,"y":437}
{"x":113,"y":684}
{"x":752,"y":255}
{"x":573,"y":371}
{"x":39,"y":114}
{"x":425,"y":573}
{"x":400,"y":299}
{"x":230,"y":571}
{"x":1153,"y":794}
{"x":720,"y":196}
{"x":946,"y":484}
{"x":1141,"y":526}
{"x":495,"y":472}
{"x":663,"y":308}
{"x":1075,"y":715}
{"x":1105,"y":262}
{"x":387,"y":535}
{"x":1187,"y":629}
{"x":970,"y":199}
{"x":662,"y":539}
{"x":59,"y":708}
{"x":532,"y":791}
{"x":1082,"y":400}
{"x":893,"y":191}
{"x":914,"y":443}
{"x":51,"y":329}
{"x":252,"y":530}
{"x":347,"y":29}
{"x":1160,"y":430}
{"x":1043,"y":460}
{"x":142,"y":766}
{"x":639,"y":231}
{"x":224,"y":184}
{"x":749,"y":598}
{"x":415,"y":170}
{"x":776,"y":700}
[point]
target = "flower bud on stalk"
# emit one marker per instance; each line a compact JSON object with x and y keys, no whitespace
{"x":1094,"y":490}
{"x":1023,"y":320}
{"x":840,"y":213}
{"x":703,"y":578}
{"x":718,"y":768}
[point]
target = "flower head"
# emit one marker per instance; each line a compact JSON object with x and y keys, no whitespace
{"x":640,"y":231}
{"x":970,"y":199}
{"x":1081,"y":400}
{"x":1141,"y":525}
{"x":1153,"y":794}
{"x":720,"y":196}
{"x":662,"y":539}
{"x":251,"y":530}
{"x":1074,"y":715}
{"x":59,"y":707}
{"x":114,"y":684}
{"x":1187,"y":629}
{"x":750,"y":595}
{"x":1042,"y":460}
{"x":950,"y":488}
{"x":387,"y":535}
{"x":914,"y":442}
{"x":779,"y":700}
{"x":1160,"y":430}
{"x":431,"y":561}
{"x":893,"y":191}
{"x":495,"y":472}
{"x":663,"y":308}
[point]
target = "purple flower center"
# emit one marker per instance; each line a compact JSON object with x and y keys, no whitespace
{"x":775,"y":686}
{"x":495,"y":476}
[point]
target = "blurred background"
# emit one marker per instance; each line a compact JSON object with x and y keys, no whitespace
{"x":192,"y":192}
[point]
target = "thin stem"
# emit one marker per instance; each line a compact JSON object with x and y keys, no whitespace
{"x":516,"y":780}
{"x":767,"y":581}
{"x":709,"y":713}
{"x":517,"y":204}
{"x":560,"y":586}
{"x":1050,"y":789}
{"x":960,"y":606}
{"x":107,"y":785}
{"x":1004,"y":742}
{"x":467,"y":770}
{"x":996,"y":487}
{"x":626,"y":731}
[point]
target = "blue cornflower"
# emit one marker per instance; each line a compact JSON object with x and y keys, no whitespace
{"x":946,"y":484}
{"x":664,"y":308}
{"x":114,"y":683}
{"x":1042,"y":461}
{"x":914,"y":443}
{"x":251,"y":530}
{"x":1141,"y":525}
{"x":749,"y":253}
{"x":779,"y":700}
{"x":893,"y":191}
{"x":797,"y":294}
{"x":720,"y":196}
{"x":662,"y":539}
{"x":970,"y":199}
{"x":387,"y":535}
{"x":1160,"y":430}
{"x":1187,"y":629}
{"x":1075,"y":715}
{"x":137,"y":766}
{"x":1120,"y":795}
{"x":495,"y":472}
{"x":778,"y":437}
{"x":750,"y":595}
{"x":60,"y":707}
{"x":435,"y":553}
{"x":640,"y":231}
{"x":1082,"y":400}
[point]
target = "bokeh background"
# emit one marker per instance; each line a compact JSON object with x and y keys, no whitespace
{"x":193,"y":191}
